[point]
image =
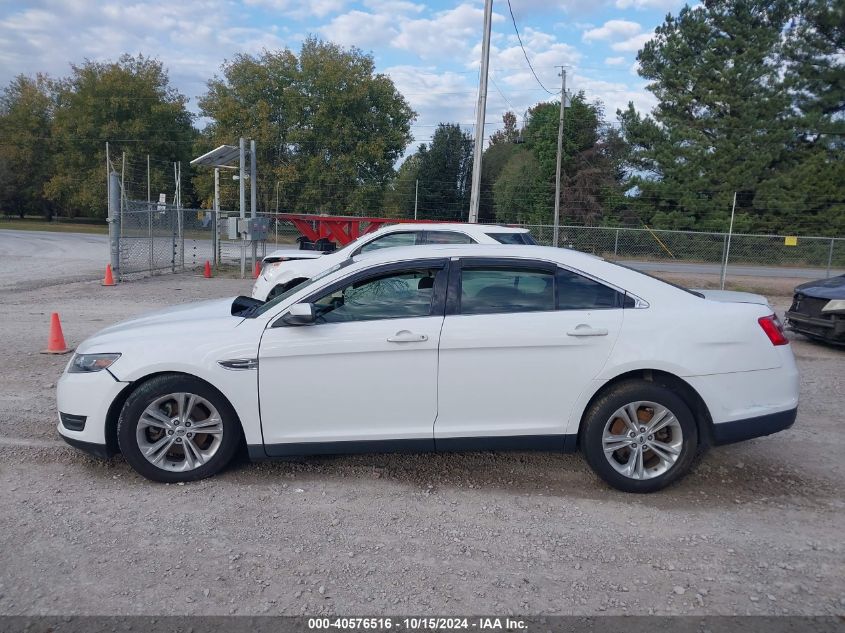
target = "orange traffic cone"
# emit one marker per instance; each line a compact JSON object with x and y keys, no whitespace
{"x":56,"y":343}
{"x":108,"y":280}
{"x":207,"y":272}
{"x":257,"y":270}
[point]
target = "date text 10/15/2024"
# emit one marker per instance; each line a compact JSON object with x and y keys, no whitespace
{"x":417,"y":623}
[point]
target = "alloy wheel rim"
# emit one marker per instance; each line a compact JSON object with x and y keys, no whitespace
{"x":642,"y":440}
{"x":179,"y":432}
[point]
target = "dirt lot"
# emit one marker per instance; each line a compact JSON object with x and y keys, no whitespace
{"x":757,"y":528}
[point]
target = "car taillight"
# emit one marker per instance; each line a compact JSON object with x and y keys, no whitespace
{"x":773,"y":329}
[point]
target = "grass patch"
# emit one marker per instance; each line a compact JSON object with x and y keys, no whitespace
{"x":56,"y":227}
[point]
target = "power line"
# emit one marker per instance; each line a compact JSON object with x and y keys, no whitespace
{"x":515,"y":28}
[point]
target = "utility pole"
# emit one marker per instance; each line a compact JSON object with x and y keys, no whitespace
{"x":242,"y":201}
{"x":556,"y":235}
{"x":728,"y":245}
{"x":253,"y":192}
{"x":481,"y":108}
{"x":416,"y":196}
{"x":148,"y":179}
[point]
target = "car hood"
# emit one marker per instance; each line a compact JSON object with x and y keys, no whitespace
{"x":202,"y":316}
{"x":732,"y":296}
{"x":292,"y":253}
{"x":832,"y":288}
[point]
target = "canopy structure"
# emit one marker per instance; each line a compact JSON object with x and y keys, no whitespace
{"x":225,"y":156}
{"x":234,"y":157}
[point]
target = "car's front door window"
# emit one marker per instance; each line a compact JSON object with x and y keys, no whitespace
{"x":393,"y":295}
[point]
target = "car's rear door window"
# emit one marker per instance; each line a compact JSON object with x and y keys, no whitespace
{"x":513,"y":238}
{"x":405,"y":238}
{"x":447,"y":237}
{"x":491,"y":290}
{"x":576,"y":292}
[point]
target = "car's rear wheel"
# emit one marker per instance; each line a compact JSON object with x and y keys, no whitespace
{"x":177,"y":428}
{"x":639,"y":437}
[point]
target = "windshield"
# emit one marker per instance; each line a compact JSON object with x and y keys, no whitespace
{"x":279,"y":298}
{"x":513,"y":238}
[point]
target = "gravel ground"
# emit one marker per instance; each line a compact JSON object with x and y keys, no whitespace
{"x":757,"y":528}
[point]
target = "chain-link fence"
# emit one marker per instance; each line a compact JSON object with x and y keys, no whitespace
{"x":777,"y":251}
{"x":158,"y":237}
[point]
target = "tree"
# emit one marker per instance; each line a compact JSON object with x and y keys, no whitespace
{"x":748,"y":94}
{"x":328,"y":128}
{"x":445,"y":174}
{"x":26,"y":111}
{"x":399,"y":197}
{"x":519,"y":190}
{"x":509,"y":133}
{"x":496,"y":157}
{"x":128,"y":103}
{"x":589,"y":175}
{"x":503,"y":145}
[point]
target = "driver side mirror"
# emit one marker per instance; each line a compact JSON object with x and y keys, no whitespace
{"x":300,"y":314}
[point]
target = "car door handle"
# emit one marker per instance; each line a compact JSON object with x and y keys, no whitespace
{"x":586,"y":330}
{"x":405,"y":336}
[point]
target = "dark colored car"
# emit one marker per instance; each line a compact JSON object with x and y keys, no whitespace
{"x":818,"y":310}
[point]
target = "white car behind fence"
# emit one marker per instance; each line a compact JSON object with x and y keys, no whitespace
{"x":285,"y":268}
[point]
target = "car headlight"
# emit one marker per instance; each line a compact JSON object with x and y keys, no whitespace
{"x":834,"y":305}
{"x":88,"y":363}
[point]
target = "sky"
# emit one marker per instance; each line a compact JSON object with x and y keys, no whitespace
{"x":431,"y":50}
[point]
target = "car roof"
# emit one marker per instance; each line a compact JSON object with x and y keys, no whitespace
{"x":433,"y":251}
{"x":620,"y":276}
{"x":470,"y":229}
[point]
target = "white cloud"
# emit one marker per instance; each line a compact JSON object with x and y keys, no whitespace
{"x":448,"y":34}
{"x":191,"y":38}
{"x":614,"y":61}
{"x":358,"y":28}
{"x":394,"y":6}
{"x":623,"y":35}
{"x":648,"y":4}
{"x":614,"y":95}
{"x":613,"y":30}
{"x":300,"y":10}
{"x":633,"y":44}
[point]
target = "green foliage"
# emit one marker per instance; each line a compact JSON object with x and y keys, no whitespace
{"x":518,"y":191}
{"x":399,"y":197}
{"x":495,"y":158}
{"x":750,"y":100}
{"x":508,"y":133}
{"x":128,"y":103}
{"x":328,"y":128}
{"x":445,"y":174}
{"x":521,"y":181}
{"x":26,"y":108}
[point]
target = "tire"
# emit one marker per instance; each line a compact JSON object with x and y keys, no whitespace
{"x":666,"y":455}
{"x":177,"y":453}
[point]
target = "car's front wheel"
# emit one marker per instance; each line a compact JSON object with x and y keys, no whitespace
{"x":177,"y":428}
{"x":639,"y":436}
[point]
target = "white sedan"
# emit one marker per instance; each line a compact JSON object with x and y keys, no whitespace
{"x":438,"y":348}
{"x":284,"y":269}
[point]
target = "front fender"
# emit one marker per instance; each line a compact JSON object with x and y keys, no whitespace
{"x":200,"y":358}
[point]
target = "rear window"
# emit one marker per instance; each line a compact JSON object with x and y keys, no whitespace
{"x":513,"y":238}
